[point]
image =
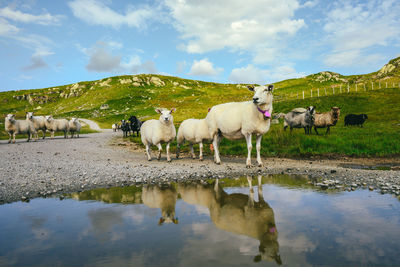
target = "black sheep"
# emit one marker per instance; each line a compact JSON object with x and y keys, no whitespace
{"x":353,"y":119}
{"x":135,"y":125}
{"x":125,"y":127}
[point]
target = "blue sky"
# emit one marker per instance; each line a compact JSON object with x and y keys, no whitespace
{"x":46,"y":43}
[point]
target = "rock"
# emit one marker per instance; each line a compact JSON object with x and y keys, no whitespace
{"x":395,"y":168}
{"x":371,"y":188}
{"x":333,"y":171}
{"x":104,"y":106}
{"x":156,"y":81}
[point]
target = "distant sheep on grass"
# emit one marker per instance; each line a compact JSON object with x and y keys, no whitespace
{"x":57,"y":125}
{"x":193,"y":131}
{"x":156,"y":132}
{"x":353,"y":119}
{"x":74,"y":127}
{"x":327,"y":119}
{"x":14,"y":127}
{"x":39,"y":122}
{"x":300,"y":118}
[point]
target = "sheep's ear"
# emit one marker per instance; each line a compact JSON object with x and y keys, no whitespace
{"x":158,"y":110}
{"x":172,"y":110}
{"x":270,"y":87}
{"x":250,"y":87}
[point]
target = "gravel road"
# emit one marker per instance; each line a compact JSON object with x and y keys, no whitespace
{"x":53,"y":167}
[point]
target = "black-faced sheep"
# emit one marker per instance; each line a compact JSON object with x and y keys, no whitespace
{"x":353,"y":119}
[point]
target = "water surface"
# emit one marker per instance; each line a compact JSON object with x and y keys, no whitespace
{"x":283,"y":220}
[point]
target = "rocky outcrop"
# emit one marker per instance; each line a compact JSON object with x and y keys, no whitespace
{"x":328,"y":76}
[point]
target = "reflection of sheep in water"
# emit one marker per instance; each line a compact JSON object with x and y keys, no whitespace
{"x":239,"y":214}
{"x":163,"y":197}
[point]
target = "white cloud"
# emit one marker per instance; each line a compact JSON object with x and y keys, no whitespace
{"x":204,"y":67}
{"x":96,"y":12}
{"x":43,"y":19}
{"x":104,"y":58}
{"x":253,"y":74}
{"x":256,"y":27}
{"x":310,"y":4}
{"x":6,"y":28}
{"x":354,"y":28}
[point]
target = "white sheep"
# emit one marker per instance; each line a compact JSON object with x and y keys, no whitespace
{"x":74,"y":127}
{"x":39,"y":122}
{"x":195,"y":132}
{"x":237,"y":120}
{"x":155,"y":132}
{"x":57,"y":125}
{"x":14,"y":127}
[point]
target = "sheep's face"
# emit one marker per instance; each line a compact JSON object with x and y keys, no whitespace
{"x":10,"y":117}
{"x":335,"y":112}
{"x":74,"y":120}
{"x":29,"y":115}
{"x":165,"y":115}
{"x":365,"y":116}
{"x":262,"y":94}
{"x":49,"y":118}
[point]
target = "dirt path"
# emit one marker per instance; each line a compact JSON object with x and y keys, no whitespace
{"x":53,"y":167}
{"x":94,"y":126}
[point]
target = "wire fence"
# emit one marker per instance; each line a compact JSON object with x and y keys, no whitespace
{"x":337,"y":89}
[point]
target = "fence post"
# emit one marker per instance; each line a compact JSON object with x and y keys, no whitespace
{"x":356,"y":87}
{"x":325,"y":91}
{"x":372,"y":85}
{"x":333,"y":90}
{"x":311,"y":92}
{"x":303,"y":94}
{"x":348,"y":88}
{"x":386,"y":84}
{"x":340,"y":88}
{"x":365,"y":89}
{"x":379,"y":84}
{"x":318,"y":90}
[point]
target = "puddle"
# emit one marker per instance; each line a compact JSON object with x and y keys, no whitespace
{"x":380,"y":167}
{"x":280,"y":220}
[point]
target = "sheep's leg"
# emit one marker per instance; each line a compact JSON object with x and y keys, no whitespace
{"x":260,"y":193}
{"x":9,"y":137}
{"x":168,"y":157}
{"x":14,"y":134}
{"x":315,"y":129}
{"x":249,"y":148}
{"x":291,"y":129}
{"x":192,"y":151}
{"x":328,"y":130}
{"x":178,"y":150}
{"x":305,"y":130}
{"x":52,"y":134}
{"x":217,"y":159}
{"x":251,"y":192}
{"x":148,"y":152}
{"x":44,"y":134}
{"x":258,"y":148}
{"x":201,"y":151}
{"x":159,"y":151}
{"x":29,"y":136}
{"x":284,"y":127}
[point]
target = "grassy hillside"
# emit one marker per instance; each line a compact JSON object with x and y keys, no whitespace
{"x":109,"y":100}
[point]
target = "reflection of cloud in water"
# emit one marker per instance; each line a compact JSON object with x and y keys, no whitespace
{"x":211,"y":245}
{"x":103,"y":221}
{"x":200,"y":210}
{"x":363,"y":246}
{"x":37,"y":227}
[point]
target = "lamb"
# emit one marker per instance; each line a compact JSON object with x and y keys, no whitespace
{"x":326,"y":119}
{"x":155,"y":132}
{"x":14,"y":127}
{"x":237,"y":120}
{"x":39,"y":122}
{"x":300,"y":118}
{"x":195,"y":132}
{"x":57,"y":125}
{"x":114,"y":127}
{"x":74,"y":127}
{"x":353,"y":119}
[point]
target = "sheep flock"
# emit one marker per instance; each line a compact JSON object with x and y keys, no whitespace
{"x":33,"y":124}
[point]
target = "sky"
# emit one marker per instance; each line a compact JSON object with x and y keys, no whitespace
{"x":46,"y":43}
